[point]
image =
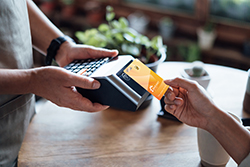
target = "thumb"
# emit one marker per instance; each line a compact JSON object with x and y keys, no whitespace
{"x":85,"y":82}
{"x":102,"y":52}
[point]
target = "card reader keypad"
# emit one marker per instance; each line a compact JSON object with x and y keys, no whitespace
{"x":86,"y":67}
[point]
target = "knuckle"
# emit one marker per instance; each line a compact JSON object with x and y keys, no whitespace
{"x":165,"y":99}
{"x":194,"y":84}
{"x":178,"y":79}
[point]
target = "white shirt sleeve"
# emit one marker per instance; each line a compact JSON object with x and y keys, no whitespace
{"x":245,"y":162}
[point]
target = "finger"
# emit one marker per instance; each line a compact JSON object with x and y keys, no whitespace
{"x":181,"y":82}
{"x":176,"y":91}
{"x":94,"y":107}
{"x":83,"y":82}
{"x":99,"y":107}
{"x":168,"y":100}
{"x":170,"y":95}
{"x":88,"y":106}
{"x":170,"y":108}
{"x":95,"y":52}
{"x":173,"y":88}
{"x":178,"y":101}
{"x":77,"y":102}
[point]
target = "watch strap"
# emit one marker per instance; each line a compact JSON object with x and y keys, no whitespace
{"x":53,"y":48}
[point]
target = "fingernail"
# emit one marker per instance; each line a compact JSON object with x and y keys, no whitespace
{"x":105,"y":106}
{"x":177,"y":102}
{"x":115,"y":50}
{"x":169,"y":95}
{"x":171,"y":106}
{"x":170,"y":88}
{"x":96,"y":85}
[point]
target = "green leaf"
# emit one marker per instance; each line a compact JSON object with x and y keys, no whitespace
{"x":145,"y":41}
{"x":132,"y":32}
{"x":128,"y":37}
{"x":119,"y":37}
{"x":130,"y":49}
{"x":103,"y":27}
{"x":97,"y":41}
{"x":115,"y":24}
{"x":109,"y":8}
{"x":110,"y":16}
{"x":137,"y":40}
{"x":85,"y":36}
{"x":124,"y":22}
{"x":80,"y":36}
{"x":91,"y":32}
{"x":157,"y":42}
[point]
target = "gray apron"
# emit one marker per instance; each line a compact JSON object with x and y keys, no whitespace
{"x":16,"y":111}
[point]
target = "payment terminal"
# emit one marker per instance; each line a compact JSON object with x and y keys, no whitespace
{"x":125,"y":81}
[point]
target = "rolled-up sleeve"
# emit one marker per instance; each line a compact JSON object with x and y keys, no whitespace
{"x":245,"y":162}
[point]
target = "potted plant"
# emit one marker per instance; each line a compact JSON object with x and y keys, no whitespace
{"x":138,"y":21}
{"x":197,"y":73}
{"x":116,"y":34}
{"x":166,"y":26}
{"x":206,"y":36}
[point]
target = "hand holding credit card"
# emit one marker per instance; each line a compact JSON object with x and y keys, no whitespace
{"x":148,"y":79}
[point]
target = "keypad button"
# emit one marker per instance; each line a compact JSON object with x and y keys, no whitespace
{"x":86,"y":67}
{"x":82,"y":71}
{"x":76,"y":70}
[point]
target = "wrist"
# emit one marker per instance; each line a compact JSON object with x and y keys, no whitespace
{"x":215,"y":120}
{"x":54,"y":46}
{"x":33,"y":79}
{"x":62,"y":57}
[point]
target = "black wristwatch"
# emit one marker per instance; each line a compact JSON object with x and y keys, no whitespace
{"x":53,"y":48}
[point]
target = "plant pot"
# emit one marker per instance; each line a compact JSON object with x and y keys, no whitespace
{"x":153,"y":66}
{"x":203,"y":80}
{"x":166,"y":29}
{"x":139,"y":22}
{"x":205,"y":39}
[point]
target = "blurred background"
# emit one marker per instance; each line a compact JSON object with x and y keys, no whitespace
{"x":213,"y":31}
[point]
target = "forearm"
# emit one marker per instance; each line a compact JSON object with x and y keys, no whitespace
{"x":42,"y":30}
{"x":233,"y":137}
{"x":15,"y":81}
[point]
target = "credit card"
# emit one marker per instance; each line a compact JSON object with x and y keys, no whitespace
{"x":148,"y":79}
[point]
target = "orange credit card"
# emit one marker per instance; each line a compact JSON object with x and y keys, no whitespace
{"x":148,"y":79}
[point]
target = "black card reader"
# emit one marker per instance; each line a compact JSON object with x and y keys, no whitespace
{"x":117,"y":89}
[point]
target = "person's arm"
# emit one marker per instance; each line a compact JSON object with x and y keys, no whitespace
{"x":43,"y":32}
{"x":53,"y":83}
{"x":234,"y":138}
{"x":190,"y":103}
